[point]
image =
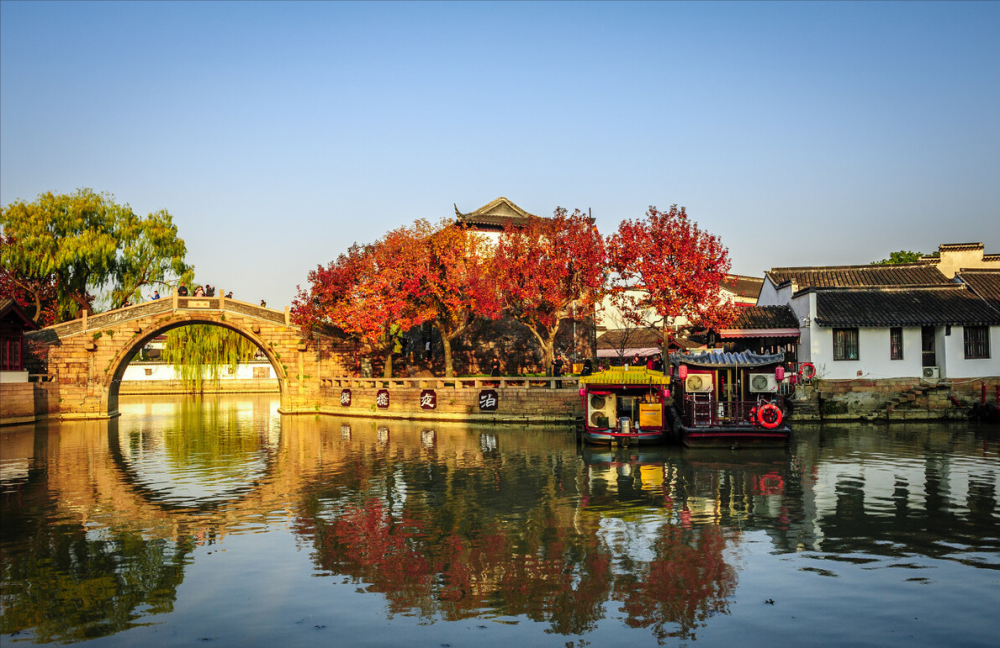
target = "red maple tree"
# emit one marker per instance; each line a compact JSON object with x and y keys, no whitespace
{"x":666,"y":263}
{"x":455,"y":281}
{"x":550,"y":270}
{"x":367,"y":293}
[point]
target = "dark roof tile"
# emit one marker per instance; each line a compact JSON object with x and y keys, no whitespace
{"x":498,"y":213}
{"x":877,"y":307}
{"x":985,"y":283}
{"x":903,"y":274}
{"x":766,"y":317}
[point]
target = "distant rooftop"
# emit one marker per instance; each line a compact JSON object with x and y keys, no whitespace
{"x":903,"y":274}
{"x":743,"y":286}
{"x":495,"y":215}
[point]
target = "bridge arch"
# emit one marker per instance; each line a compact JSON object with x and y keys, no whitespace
{"x":88,"y":356}
{"x":116,"y":371}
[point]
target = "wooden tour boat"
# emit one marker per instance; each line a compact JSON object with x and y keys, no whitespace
{"x":626,"y":406}
{"x":729,"y":398}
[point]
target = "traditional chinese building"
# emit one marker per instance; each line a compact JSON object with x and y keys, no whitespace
{"x":13,"y":323}
{"x":932,"y":319}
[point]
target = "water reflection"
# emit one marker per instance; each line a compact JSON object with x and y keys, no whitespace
{"x":103,"y":521}
{"x":201,"y":454}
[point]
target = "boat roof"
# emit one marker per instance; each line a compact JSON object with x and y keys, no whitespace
{"x":720,"y":359}
{"x":637,"y":375}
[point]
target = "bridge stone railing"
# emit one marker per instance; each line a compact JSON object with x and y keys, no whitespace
{"x":156,"y":307}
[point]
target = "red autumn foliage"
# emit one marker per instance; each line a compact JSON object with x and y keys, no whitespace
{"x":564,"y":575}
{"x":367,"y":293}
{"x":455,"y":281}
{"x":673,"y":266}
{"x":550,"y":270}
{"x":39,"y":297}
{"x":377,"y":292}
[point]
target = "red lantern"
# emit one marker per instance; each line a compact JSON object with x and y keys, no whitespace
{"x":779,"y":373}
{"x":682,"y":372}
{"x":666,"y":394}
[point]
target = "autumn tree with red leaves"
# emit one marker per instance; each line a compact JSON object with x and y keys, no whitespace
{"x":455,"y":281}
{"x":666,"y":263}
{"x":551,"y":270}
{"x":367,"y":293}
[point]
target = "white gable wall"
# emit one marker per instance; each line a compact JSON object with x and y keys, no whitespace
{"x":951,"y":355}
{"x":770,"y":295}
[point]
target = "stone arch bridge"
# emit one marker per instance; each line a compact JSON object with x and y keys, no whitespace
{"x":88,"y":356}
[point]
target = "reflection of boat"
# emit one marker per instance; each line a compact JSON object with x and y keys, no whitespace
{"x":625,"y":405}
{"x":730,"y":398}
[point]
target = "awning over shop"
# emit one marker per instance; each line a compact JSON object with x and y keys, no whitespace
{"x":759,"y":333}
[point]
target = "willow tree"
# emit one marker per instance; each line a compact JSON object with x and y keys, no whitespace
{"x":83,"y":244}
{"x":201,"y":351}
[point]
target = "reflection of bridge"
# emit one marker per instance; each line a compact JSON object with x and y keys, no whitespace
{"x":88,"y":356}
{"x":88,"y":478}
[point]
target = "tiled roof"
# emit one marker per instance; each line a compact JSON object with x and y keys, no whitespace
{"x":985,"y":283}
{"x":766,"y":317}
{"x":9,"y":306}
{"x":631,"y":338}
{"x":961,"y":246}
{"x":743,"y":286}
{"x":497,"y":213}
{"x":871,"y":307}
{"x":903,"y":274}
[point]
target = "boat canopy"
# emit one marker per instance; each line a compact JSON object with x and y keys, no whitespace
{"x":722,"y":359}
{"x":637,"y":375}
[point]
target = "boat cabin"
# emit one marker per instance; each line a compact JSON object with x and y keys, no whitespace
{"x":625,"y":404}
{"x":733,"y":394}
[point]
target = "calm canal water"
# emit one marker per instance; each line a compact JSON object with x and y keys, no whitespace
{"x":217,"y":520}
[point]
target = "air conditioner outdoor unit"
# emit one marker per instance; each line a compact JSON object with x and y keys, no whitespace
{"x":763,"y":383}
{"x":932,"y":373}
{"x":698,"y":383}
{"x":600,"y":405}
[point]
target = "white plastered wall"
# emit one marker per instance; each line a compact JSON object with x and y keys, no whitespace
{"x":953,"y":363}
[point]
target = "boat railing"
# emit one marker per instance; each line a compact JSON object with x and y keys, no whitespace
{"x":702,"y":411}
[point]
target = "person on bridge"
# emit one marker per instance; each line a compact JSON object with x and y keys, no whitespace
{"x":199,"y":292}
{"x":263,"y":303}
{"x":156,"y":294}
{"x":182,"y":290}
{"x":229,"y":295}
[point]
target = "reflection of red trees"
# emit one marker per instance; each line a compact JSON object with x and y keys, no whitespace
{"x":687,"y":582}
{"x":560,"y":575}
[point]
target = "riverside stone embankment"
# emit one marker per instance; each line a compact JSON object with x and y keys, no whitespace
{"x":898,"y":399}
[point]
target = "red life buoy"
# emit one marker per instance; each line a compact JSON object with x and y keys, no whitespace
{"x":807,"y":370}
{"x":769,"y":416}
{"x":771,"y":484}
{"x":753,"y":416}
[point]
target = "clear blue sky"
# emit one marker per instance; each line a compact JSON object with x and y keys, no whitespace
{"x":278,"y":134}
